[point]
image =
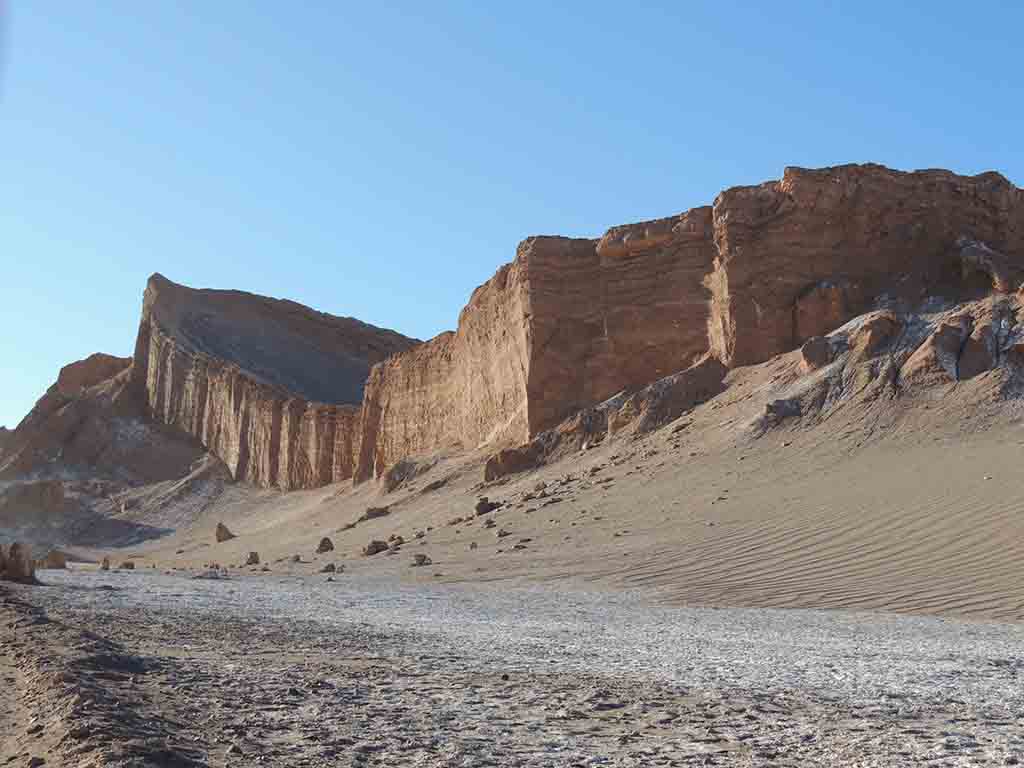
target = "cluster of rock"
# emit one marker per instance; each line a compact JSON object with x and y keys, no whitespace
{"x":575,"y":340}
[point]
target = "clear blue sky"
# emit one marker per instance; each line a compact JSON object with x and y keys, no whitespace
{"x":380,"y":161}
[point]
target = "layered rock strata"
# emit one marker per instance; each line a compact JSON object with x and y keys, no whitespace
{"x":649,"y":316}
{"x":569,"y":323}
{"x":270,"y":387}
{"x":797,"y":257}
{"x":766,"y":268}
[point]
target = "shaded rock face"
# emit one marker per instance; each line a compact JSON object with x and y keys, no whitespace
{"x":270,"y":387}
{"x":815,"y":353}
{"x":510,"y":461}
{"x":962,"y":353}
{"x":97,"y":426}
{"x":643,"y":411}
{"x":666,"y":399}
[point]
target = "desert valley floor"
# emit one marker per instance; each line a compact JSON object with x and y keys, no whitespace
{"x":738,"y":486}
{"x":622,"y":607}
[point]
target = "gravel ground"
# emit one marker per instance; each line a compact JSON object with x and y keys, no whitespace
{"x":276,"y":671}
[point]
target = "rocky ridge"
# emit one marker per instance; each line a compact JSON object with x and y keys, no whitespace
{"x":759,"y":273}
{"x":879,"y":277}
{"x":270,"y":387}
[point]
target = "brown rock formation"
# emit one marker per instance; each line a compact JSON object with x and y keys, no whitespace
{"x":510,"y":461}
{"x":628,"y":331}
{"x":96,"y":425}
{"x":883,"y":230}
{"x":571,"y":322}
{"x":666,"y":399}
{"x":874,"y":332}
{"x":270,"y":387}
{"x":566,"y":325}
{"x":223,"y":533}
{"x":17,"y":564}
{"x":55,"y":560}
{"x":75,"y":378}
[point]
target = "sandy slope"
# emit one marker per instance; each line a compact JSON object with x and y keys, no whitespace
{"x":909,"y":506}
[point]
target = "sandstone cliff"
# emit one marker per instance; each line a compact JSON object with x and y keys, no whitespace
{"x":569,"y":323}
{"x":572,"y":322}
{"x":634,"y":326}
{"x":799,"y":256}
{"x":270,"y":387}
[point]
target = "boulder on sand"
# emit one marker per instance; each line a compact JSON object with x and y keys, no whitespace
{"x":18,"y":565}
{"x":223,"y":534}
{"x":253,"y":559}
{"x":55,"y":560}
{"x":374,"y":547}
{"x":326,"y":545}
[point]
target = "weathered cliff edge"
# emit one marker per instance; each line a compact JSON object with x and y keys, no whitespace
{"x":570,"y":323}
{"x":270,"y":387}
{"x":574,"y":338}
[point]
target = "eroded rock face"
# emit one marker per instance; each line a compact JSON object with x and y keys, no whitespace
{"x":874,"y":333}
{"x":883,"y":230}
{"x":97,"y":426}
{"x":574,"y":339}
{"x":270,"y":387}
{"x":74,"y":378}
{"x":571,"y":323}
{"x":568,"y":324}
{"x":666,"y":399}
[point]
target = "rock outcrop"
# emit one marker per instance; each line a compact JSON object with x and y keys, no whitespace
{"x":270,"y":387}
{"x":573,"y":340}
{"x":568,"y":324}
{"x":767,"y":268}
{"x":799,"y":256}
{"x":16,"y":564}
{"x":90,"y":422}
{"x":54,"y":560}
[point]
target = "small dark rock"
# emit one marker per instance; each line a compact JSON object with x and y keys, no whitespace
{"x":374,"y":547}
{"x":485,"y":505}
